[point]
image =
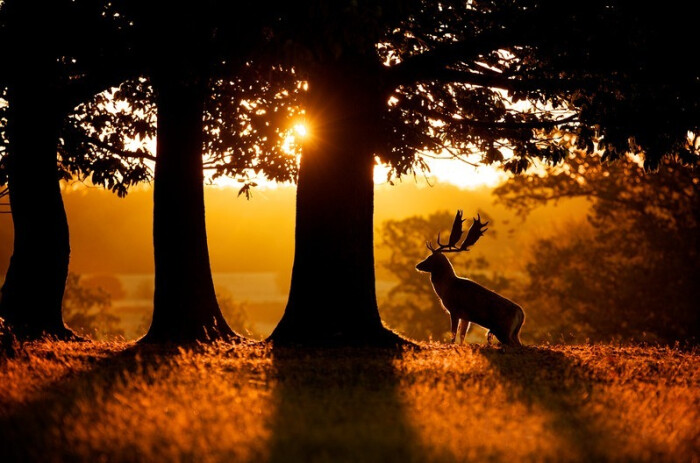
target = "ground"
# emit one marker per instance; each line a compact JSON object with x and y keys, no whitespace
{"x":119,"y":402}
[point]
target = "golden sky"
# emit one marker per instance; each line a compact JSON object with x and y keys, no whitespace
{"x":113,"y":235}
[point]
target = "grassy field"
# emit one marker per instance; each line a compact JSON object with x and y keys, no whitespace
{"x":119,"y":402}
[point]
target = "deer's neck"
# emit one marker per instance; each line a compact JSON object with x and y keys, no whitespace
{"x":442,"y":276}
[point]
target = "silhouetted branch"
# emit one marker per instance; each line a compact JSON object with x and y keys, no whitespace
{"x":510,"y":125}
{"x":114,"y":150}
{"x":462,"y":51}
{"x":520,"y":125}
{"x":456,"y":154}
{"x":103,"y":76}
{"x":494,"y":81}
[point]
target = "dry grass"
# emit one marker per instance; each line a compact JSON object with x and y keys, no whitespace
{"x":118,"y":402}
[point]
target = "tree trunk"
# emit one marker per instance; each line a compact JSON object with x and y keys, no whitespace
{"x":36,"y":278}
{"x":332,"y":298}
{"x":185,"y":307}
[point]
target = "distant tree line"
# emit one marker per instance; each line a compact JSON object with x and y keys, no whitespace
{"x":628,"y":272}
{"x":219,"y":84}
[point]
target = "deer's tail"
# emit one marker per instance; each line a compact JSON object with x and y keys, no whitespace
{"x":517,"y":326}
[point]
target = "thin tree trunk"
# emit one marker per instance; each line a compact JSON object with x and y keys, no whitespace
{"x":332,"y":298}
{"x":185,"y":306}
{"x":36,"y":278}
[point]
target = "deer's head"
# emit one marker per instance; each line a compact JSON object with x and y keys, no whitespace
{"x":437,"y":259}
{"x":432,"y":262}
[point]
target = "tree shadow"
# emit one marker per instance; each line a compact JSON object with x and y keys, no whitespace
{"x":541,"y":377}
{"x":33,"y":430}
{"x":339,"y":404}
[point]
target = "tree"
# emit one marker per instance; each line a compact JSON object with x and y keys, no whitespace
{"x":87,"y":309}
{"x":631,"y":270}
{"x":96,"y":140}
{"x":44,"y":79}
{"x":489,"y":77}
{"x":185,"y":306}
{"x":234,"y":125}
{"x":236,"y":314}
{"x":332,"y":297}
{"x":412,"y":306}
{"x":198,"y":50}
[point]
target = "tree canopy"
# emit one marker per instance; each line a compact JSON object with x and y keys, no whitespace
{"x":485,"y":81}
{"x":490,"y":80}
{"x":110,"y":102}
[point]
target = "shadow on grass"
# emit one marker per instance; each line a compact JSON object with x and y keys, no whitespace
{"x":541,"y":377}
{"x":339,"y":405}
{"x":33,"y":431}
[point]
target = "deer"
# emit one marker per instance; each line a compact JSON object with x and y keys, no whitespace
{"x":466,"y":301}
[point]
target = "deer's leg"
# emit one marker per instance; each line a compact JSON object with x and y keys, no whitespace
{"x":455,"y":321}
{"x":463,"y":329}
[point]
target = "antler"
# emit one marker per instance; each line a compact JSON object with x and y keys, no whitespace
{"x":475,"y":232}
{"x":456,"y":233}
{"x":456,"y":229}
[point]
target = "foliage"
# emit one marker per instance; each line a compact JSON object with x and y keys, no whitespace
{"x":631,"y":270}
{"x":412,"y":307}
{"x":248,"y":121}
{"x":105,"y":140}
{"x":236,"y":314}
{"x":249,"y":112}
{"x":468,"y":82}
{"x":110,"y":284}
{"x":77,"y":71}
{"x":87,"y":310}
{"x":110,"y":108}
{"x":478,"y":81}
{"x":497,"y":81}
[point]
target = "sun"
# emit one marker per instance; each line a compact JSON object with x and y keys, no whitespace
{"x":301,"y":130}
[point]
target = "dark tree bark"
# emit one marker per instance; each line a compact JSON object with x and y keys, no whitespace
{"x":332,"y":298}
{"x":36,"y":278}
{"x":185,"y":307}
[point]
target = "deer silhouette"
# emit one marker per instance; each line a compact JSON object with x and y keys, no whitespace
{"x":465,"y":300}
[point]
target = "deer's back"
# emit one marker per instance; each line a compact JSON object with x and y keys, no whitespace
{"x":471,"y":301}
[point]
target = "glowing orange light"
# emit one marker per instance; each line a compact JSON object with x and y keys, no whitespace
{"x":301,"y":130}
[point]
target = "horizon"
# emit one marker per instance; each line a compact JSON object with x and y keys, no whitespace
{"x":114,"y":235}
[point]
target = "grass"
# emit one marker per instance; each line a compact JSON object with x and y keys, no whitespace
{"x":118,"y":402}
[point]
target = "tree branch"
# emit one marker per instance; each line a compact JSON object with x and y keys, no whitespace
{"x":114,"y":150}
{"x":519,"y":125}
{"x":526,"y":28}
{"x":104,"y":74}
{"x":494,"y":81}
{"x":533,"y":124}
{"x":449,"y":53}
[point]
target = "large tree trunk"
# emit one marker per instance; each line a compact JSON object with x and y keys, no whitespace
{"x":185,"y":307}
{"x":332,"y":297}
{"x":36,"y":278}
